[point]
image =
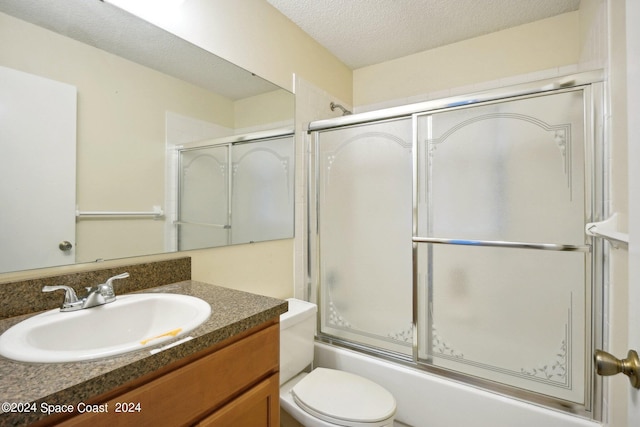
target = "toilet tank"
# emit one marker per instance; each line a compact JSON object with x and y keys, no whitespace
{"x":297,"y":332}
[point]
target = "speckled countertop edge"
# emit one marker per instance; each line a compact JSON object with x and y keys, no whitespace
{"x":232,"y":312}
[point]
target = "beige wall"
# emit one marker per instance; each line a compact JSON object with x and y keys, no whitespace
{"x":262,"y":268}
{"x":541,"y":45}
{"x":264,"y":111}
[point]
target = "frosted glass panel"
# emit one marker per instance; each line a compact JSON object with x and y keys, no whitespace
{"x":514,"y":316}
{"x":365,"y":220}
{"x":262,"y":195}
{"x":203,"y":203}
{"x":507,"y":171}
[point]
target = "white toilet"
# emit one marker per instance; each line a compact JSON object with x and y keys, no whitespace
{"x":324,"y":397}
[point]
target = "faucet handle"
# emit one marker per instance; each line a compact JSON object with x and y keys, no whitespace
{"x":119,"y":276}
{"x":107,"y":287}
{"x":70,"y":297}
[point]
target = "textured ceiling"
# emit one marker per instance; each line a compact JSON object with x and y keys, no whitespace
{"x":365,"y":32}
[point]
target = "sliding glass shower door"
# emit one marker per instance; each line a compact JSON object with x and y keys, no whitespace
{"x":452,"y":238}
{"x":503,"y":266}
{"x":364,"y":240}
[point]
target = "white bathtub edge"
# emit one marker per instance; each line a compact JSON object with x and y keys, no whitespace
{"x":426,"y":400}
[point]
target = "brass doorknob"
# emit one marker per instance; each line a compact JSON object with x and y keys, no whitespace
{"x":607,"y":364}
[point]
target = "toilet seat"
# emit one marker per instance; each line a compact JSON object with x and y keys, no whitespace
{"x":344,"y":399}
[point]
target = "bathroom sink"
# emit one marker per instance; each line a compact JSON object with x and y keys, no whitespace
{"x":130,"y":323}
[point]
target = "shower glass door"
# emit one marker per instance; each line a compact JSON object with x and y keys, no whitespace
{"x":503,"y":272}
{"x":364,"y":198}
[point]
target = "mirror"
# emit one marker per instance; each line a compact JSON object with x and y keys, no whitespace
{"x":141,"y":95}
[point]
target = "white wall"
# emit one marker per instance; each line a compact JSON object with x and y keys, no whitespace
{"x":633,"y":112}
{"x":617,"y":387}
{"x":312,"y":103}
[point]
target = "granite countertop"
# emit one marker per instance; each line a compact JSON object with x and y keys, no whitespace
{"x":232,"y":312}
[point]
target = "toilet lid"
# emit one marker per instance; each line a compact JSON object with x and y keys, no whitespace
{"x":341,"y":397}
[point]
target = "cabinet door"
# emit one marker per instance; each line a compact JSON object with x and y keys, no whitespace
{"x":258,"y":407}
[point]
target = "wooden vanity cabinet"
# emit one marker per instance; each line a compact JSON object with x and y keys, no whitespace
{"x":236,"y":384}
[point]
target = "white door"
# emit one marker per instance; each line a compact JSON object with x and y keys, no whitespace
{"x":633,"y":112}
{"x":37,"y":171}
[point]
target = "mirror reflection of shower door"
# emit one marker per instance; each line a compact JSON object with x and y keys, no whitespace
{"x":203,"y":214}
{"x":492,"y":177}
{"x":236,"y":192}
{"x":364,"y":222}
{"x":262,"y":190}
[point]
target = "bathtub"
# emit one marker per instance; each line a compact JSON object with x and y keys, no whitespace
{"x":426,"y":400}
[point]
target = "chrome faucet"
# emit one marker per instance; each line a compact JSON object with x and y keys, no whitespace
{"x":96,"y":295}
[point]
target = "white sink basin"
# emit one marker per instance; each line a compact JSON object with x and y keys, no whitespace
{"x":131,"y":322}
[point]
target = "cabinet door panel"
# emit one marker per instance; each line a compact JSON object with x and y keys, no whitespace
{"x":259,"y":407}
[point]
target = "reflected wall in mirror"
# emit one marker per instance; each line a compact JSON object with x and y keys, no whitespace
{"x":140,"y":92}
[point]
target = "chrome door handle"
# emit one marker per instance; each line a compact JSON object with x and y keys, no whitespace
{"x":607,"y":364}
